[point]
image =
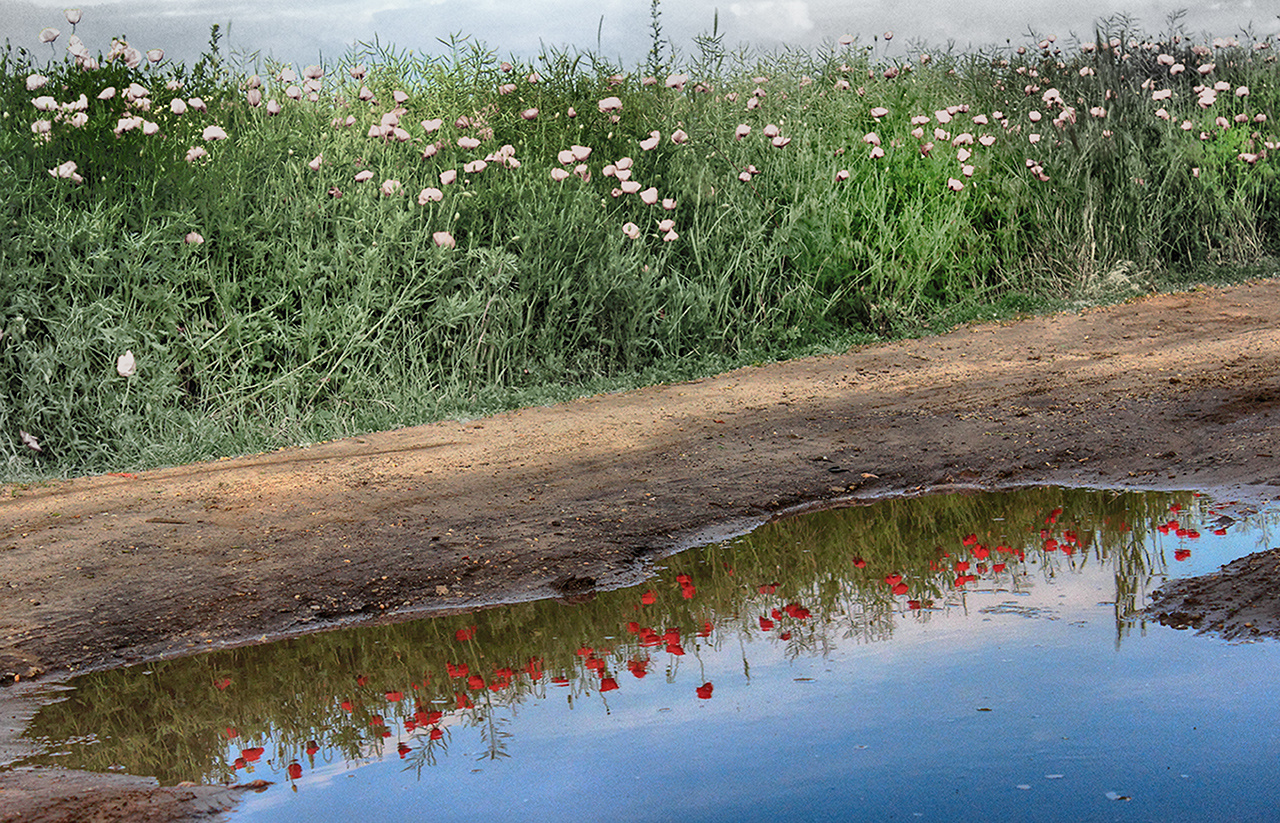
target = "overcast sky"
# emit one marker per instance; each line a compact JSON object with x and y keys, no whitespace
{"x":301,"y":31}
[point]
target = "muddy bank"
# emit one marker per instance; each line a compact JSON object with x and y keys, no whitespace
{"x":1240,"y":601}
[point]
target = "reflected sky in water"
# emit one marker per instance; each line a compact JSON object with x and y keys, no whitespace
{"x":619,"y":29}
{"x":1010,"y":677}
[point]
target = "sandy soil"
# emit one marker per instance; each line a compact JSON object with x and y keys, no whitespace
{"x":1170,"y":391}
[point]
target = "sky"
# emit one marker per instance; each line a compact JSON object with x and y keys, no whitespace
{"x":305,"y":32}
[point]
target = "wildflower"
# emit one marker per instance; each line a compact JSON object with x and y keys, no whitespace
{"x":443,"y":239}
{"x":670,"y":236}
{"x":335,"y":192}
{"x":468,"y":142}
{"x":195,"y":153}
{"x":316,"y":162}
{"x":364,"y":176}
{"x":1242,"y":91}
{"x":178,"y":106}
{"x":560,"y":175}
{"x":630,"y":187}
{"x":678,"y":136}
{"x":842,"y":175}
{"x":987,"y":140}
{"x":652,"y":141}
{"x":155,"y":55}
{"x":871,"y":138}
{"x":529,"y":114}
{"x":879,"y":111}
{"x":669,"y":203}
{"x":36,"y":81}
{"x":649,"y":196}
{"x":126,"y":365}
{"x":66,"y":171}
{"x":193,"y":238}
{"x":49,"y":34}
{"x":741,"y":131}
{"x":72,"y":15}
{"x":963,"y":154}
{"x":389,"y":187}
{"x":430,"y":195}
{"x":45,"y":103}
{"x":745,"y":176}
{"x":954,"y":184}
{"x":30,"y":441}
{"x":877,"y":152}
{"x":448,"y":176}
{"x":967,"y":171}
{"x":1098,"y":111}
{"x":609,"y":104}
{"x":780,"y":141}
{"x":213,"y":133}
{"x":631,"y":230}
{"x":432,"y":125}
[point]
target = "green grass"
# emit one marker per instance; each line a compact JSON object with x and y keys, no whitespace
{"x":304,"y":315}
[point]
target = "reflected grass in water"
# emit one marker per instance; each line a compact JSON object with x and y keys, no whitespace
{"x":795,"y":589}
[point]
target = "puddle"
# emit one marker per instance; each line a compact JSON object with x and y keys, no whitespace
{"x":959,"y":657}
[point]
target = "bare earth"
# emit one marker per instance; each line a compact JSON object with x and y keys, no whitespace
{"x":1171,"y":391}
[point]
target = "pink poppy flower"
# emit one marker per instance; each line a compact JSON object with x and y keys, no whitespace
{"x":745,"y":177}
{"x":630,"y":186}
{"x":213,"y":133}
{"x":389,"y":187}
{"x":631,"y":230}
{"x":877,"y":152}
{"x":273,"y":107}
{"x":448,"y":176}
{"x":842,"y":175}
{"x":364,"y":176}
{"x":193,"y":238}
{"x":443,"y":239}
{"x":954,"y":184}
{"x":668,"y":203}
{"x":583,"y":172}
{"x":649,"y":196}
{"x":195,"y":153}
{"x":678,"y":136}
{"x":609,"y":104}
{"x":879,"y":111}
{"x":651,"y":142}
{"x":468,"y":142}
{"x":559,"y":175}
{"x":430,"y":195}
{"x":780,"y":141}
{"x":871,"y":138}
{"x":670,"y":236}
{"x":529,"y":114}
{"x":741,"y":131}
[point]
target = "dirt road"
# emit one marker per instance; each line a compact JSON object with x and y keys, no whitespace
{"x":1172,"y":391}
